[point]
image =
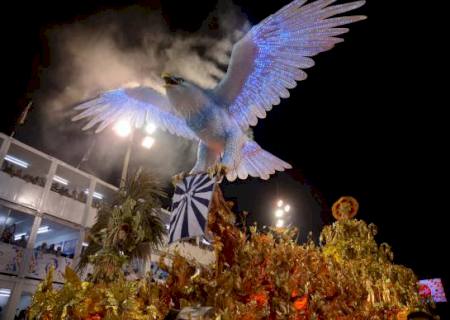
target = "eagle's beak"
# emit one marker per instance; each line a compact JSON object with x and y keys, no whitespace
{"x":169,"y":79}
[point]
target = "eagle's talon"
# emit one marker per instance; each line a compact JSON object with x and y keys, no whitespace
{"x":218,"y":169}
{"x":178,"y":178}
{"x":222,"y":170}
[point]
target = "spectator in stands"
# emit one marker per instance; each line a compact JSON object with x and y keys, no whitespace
{"x":19,"y":173}
{"x":22,"y":242}
{"x":43,"y":248}
{"x":51,"y":249}
{"x":8,"y":234}
{"x":58,"y":252}
{"x":22,"y":315}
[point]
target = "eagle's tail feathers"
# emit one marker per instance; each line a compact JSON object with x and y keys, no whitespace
{"x":256,"y":162}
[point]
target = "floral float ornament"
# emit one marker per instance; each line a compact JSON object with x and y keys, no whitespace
{"x":348,"y":277}
{"x":424,"y":291}
{"x":345,"y":208}
{"x":260,"y":298}
{"x":94,"y":317}
{"x":301,"y":303}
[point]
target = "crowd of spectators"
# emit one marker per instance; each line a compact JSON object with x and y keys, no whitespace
{"x":13,"y":171}
{"x":8,"y":236}
{"x":64,"y":191}
{"x":52,"y":249}
{"x":79,"y":195}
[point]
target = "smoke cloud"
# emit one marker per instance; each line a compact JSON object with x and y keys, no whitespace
{"x":111,"y":49}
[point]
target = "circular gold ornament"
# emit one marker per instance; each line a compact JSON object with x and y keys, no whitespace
{"x":345,"y":208}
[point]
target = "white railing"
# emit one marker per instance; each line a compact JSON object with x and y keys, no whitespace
{"x":77,"y":206}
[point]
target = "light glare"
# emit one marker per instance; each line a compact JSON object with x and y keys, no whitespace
{"x":280,"y":223}
{"x":148,"y":142}
{"x":122,"y":128}
{"x":150,"y":128}
{"x":279,"y":213}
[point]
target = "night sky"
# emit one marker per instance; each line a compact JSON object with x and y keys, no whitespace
{"x":368,"y":121}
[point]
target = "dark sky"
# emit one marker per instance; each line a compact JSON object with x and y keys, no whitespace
{"x":368,"y":122}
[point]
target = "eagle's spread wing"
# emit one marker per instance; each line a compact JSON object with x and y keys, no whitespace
{"x":136,"y":105}
{"x":270,"y":58}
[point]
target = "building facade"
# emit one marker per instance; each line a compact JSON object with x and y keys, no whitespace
{"x":46,"y":210}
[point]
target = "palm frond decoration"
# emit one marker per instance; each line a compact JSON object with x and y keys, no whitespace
{"x":130,"y":224}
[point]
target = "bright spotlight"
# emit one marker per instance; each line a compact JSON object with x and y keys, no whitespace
{"x":287,"y":208}
{"x":279,"y":213}
{"x":122,"y":128}
{"x":148,"y":142}
{"x":280,"y":223}
{"x":280,"y":203}
{"x":150,"y":128}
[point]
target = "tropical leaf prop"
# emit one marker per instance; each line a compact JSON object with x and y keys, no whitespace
{"x":348,"y":276}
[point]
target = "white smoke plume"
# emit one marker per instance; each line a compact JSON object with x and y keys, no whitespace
{"x":111,"y":49}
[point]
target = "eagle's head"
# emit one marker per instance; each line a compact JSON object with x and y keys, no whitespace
{"x":185,"y":96}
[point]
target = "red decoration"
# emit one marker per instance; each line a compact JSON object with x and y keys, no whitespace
{"x":424,"y":291}
{"x":301,"y":303}
{"x":259,"y":298}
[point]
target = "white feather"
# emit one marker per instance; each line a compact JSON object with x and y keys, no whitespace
{"x":268,"y":59}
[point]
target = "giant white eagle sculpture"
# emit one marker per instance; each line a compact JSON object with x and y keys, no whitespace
{"x":264,"y":64}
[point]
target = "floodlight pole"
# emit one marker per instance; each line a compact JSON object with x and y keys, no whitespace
{"x":126,"y":161}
